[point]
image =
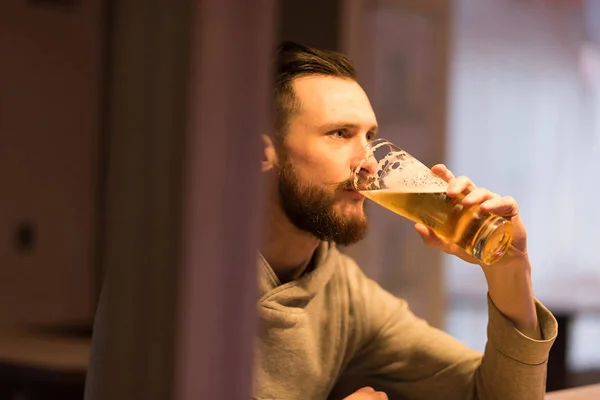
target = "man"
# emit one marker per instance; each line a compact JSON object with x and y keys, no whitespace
{"x":323,"y":324}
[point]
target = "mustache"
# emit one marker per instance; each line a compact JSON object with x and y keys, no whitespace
{"x":349,"y":184}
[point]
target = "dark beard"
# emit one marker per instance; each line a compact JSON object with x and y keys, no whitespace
{"x":311,"y":209}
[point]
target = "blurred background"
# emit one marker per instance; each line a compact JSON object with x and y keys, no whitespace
{"x":129,"y":132}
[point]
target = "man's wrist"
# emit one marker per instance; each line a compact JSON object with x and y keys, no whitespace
{"x":509,"y":287}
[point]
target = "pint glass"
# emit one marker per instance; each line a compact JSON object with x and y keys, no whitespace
{"x":405,"y":186}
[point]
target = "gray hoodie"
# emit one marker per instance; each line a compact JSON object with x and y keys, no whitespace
{"x":334,"y":330}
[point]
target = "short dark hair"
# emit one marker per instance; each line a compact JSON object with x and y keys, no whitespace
{"x":294,"y":60}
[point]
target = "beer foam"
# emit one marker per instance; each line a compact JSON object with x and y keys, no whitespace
{"x":401,"y":172}
{"x":398,"y":171}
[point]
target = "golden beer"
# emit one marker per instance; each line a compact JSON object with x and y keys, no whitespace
{"x":481,"y":234}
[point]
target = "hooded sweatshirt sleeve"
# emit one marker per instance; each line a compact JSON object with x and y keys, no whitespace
{"x":401,"y":354}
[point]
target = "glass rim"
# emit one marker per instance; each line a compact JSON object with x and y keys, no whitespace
{"x":371,"y":148}
{"x":380,"y":142}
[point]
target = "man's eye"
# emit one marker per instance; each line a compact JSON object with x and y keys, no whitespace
{"x":339,"y":134}
{"x":370,"y":136}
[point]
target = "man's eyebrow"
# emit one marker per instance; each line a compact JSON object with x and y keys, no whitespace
{"x":348,"y":125}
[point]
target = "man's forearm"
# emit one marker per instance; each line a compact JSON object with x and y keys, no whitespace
{"x":509,"y":285}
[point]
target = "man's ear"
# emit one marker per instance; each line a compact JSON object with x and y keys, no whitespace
{"x":270,"y":154}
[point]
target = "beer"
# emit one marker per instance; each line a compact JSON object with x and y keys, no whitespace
{"x":481,"y":234}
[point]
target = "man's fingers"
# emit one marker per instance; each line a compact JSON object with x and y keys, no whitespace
{"x":362,"y":394}
{"x":366,"y":389}
{"x":367,"y":393}
{"x":456,"y":186}
{"x":462,"y":184}
{"x":502,"y":206}
{"x":443,"y":172}
{"x":478,"y":196}
{"x":429,"y":237}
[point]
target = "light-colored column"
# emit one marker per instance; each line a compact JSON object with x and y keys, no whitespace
{"x":232,"y":49}
{"x":189,"y":86}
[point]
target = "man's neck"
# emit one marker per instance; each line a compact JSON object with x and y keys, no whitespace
{"x":287,"y":249}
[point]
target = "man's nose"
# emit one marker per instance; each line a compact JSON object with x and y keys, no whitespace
{"x":365,"y":159}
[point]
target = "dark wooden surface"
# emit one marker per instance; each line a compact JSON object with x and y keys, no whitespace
{"x":42,"y":364}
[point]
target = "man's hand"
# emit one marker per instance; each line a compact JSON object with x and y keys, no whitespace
{"x":503,"y":206}
{"x":509,"y":279}
{"x":367,"y":393}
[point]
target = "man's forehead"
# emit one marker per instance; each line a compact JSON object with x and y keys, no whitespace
{"x":330,"y":99}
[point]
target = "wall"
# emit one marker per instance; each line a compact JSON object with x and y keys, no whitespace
{"x":49,"y":105}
